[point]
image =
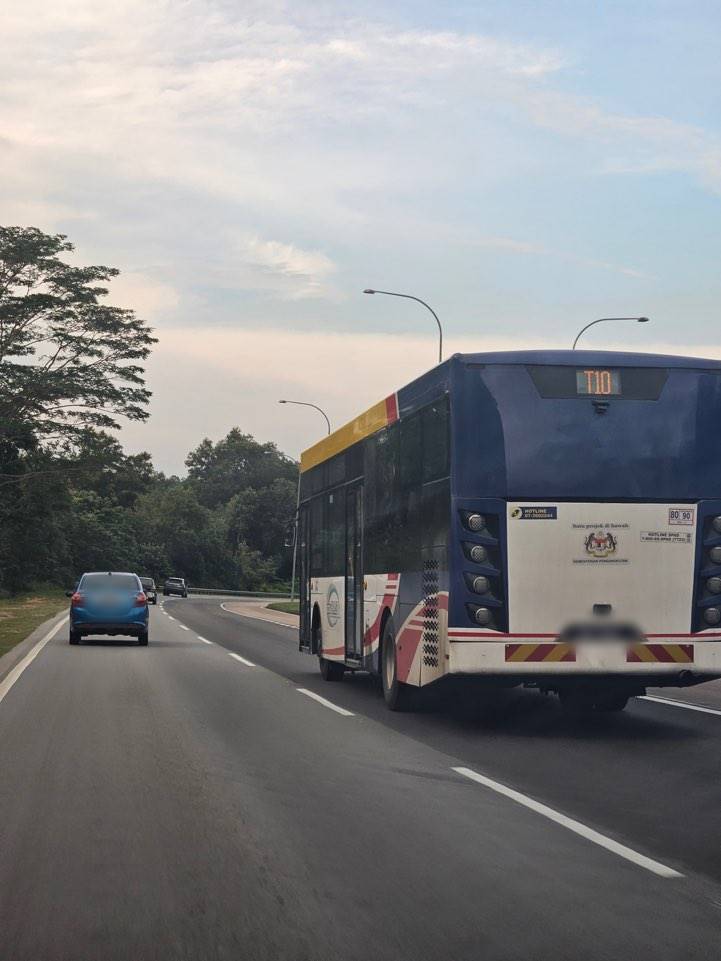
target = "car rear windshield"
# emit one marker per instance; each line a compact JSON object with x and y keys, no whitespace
{"x":147,"y":582}
{"x":115,"y":582}
{"x":175,"y":580}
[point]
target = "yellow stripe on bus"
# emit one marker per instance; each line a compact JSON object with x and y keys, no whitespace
{"x":367,"y":423}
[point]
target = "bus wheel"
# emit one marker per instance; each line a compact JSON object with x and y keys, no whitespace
{"x":612,"y":705}
{"x":329,"y":670}
{"x":577,"y":704}
{"x":398,"y":696}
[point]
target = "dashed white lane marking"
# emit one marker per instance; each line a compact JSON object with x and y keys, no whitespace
{"x":685,"y":704}
{"x":581,"y":829}
{"x":183,"y":627}
{"x":203,"y":639}
{"x":170,"y":618}
{"x":241,"y":659}
{"x":324,"y":702}
{"x":13,"y":676}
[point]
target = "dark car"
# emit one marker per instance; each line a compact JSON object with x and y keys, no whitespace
{"x":109,"y":602}
{"x":175,"y":585}
{"x":151,"y":591}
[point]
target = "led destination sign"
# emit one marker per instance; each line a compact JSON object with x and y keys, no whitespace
{"x":598,"y":382}
{"x":628,"y":383}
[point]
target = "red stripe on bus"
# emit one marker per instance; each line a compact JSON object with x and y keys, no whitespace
{"x":392,"y":409}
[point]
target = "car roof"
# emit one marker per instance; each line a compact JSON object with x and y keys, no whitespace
{"x":111,"y":573}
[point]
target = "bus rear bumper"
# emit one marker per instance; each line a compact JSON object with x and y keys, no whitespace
{"x":674,"y":658}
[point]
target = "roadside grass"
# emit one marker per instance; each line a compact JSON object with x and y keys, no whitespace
{"x":287,"y":607}
{"x":20,"y":615}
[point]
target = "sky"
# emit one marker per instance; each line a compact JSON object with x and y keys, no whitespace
{"x":524,"y":167}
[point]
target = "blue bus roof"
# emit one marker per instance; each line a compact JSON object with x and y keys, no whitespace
{"x":574,"y":358}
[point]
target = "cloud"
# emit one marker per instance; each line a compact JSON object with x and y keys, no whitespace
{"x":146,"y":296}
{"x":206,"y":380}
{"x":297,"y":273}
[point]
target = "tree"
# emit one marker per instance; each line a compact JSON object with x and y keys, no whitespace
{"x":234,"y":464}
{"x":68,"y":361}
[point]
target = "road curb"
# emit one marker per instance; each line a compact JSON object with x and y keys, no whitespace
{"x":17,"y":653}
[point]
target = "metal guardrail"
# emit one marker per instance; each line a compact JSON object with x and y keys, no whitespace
{"x":283,"y":595}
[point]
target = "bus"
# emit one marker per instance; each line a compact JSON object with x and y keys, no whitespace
{"x":541,"y":518}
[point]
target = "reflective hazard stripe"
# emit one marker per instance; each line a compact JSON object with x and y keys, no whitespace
{"x":660,"y":654}
{"x":540,"y":652}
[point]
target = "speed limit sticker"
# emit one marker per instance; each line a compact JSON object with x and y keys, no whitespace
{"x":681,"y":516}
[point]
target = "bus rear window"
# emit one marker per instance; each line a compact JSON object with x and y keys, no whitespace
{"x":631,"y":383}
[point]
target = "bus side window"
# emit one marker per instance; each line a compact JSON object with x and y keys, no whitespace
{"x":317,"y":537}
{"x":334,"y":564}
{"x":411,"y":452}
{"x":435,"y":441}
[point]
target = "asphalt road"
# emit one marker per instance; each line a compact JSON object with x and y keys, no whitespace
{"x":176,"y":802}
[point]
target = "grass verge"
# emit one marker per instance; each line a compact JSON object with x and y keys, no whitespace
{"x":20,"y":615}
{"x":287,"y":607}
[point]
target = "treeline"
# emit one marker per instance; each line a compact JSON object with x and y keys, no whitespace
{"x":223,"y":526}
{"x":71,"y":368}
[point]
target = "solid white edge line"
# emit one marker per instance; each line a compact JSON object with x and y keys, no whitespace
{"x":689,"y":707}
{"x":242,"y":660}
{"x":576,"y":826}
{"x":13,"y":676}
{"x":324,"y":702}
{"x":259,"y":617}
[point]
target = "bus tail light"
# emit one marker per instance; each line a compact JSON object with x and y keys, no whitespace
{"x":481,"y":615}
{"x":712,"y":616}
{"x":476,"y":553}
{"x":474,"y":522}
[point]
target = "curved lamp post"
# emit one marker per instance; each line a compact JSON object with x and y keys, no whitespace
{"x":392,"y":293}
{"x":603,"y":320}
{"x":300,"y":403}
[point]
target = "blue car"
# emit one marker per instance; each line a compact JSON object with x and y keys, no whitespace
{"x":109,"y":602}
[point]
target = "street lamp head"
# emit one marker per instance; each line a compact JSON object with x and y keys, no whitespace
{"x":643,"y":320}
{"x":282,"y":401}
{"x":368,"y":291}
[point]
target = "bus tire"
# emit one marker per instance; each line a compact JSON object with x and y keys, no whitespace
{"x":398,"y":696}
{"x":612,"y":705}
{"x":329,"y":670}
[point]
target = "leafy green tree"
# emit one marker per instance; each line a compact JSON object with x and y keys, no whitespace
{"x":68,"y":361}
{"x":234,"y":464}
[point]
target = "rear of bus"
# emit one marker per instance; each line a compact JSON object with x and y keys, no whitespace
{"x":585,"y":548}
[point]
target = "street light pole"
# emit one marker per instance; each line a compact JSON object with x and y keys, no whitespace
{"x":300,"y":403}
{"x":392,"y":293}
{"x":603,"y":320}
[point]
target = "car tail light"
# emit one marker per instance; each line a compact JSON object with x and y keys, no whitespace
{"x":141,"y":599}
{"x":76,"y":599}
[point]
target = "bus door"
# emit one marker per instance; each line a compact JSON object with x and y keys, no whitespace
{"x":303,"y":559}
{"x":354,"y":573}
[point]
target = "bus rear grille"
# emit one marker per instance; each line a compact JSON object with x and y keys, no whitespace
{"x":430,"y":613}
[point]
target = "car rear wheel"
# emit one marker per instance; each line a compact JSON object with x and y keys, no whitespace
{"x":74,"y":637}
{"x":143,"y":639}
